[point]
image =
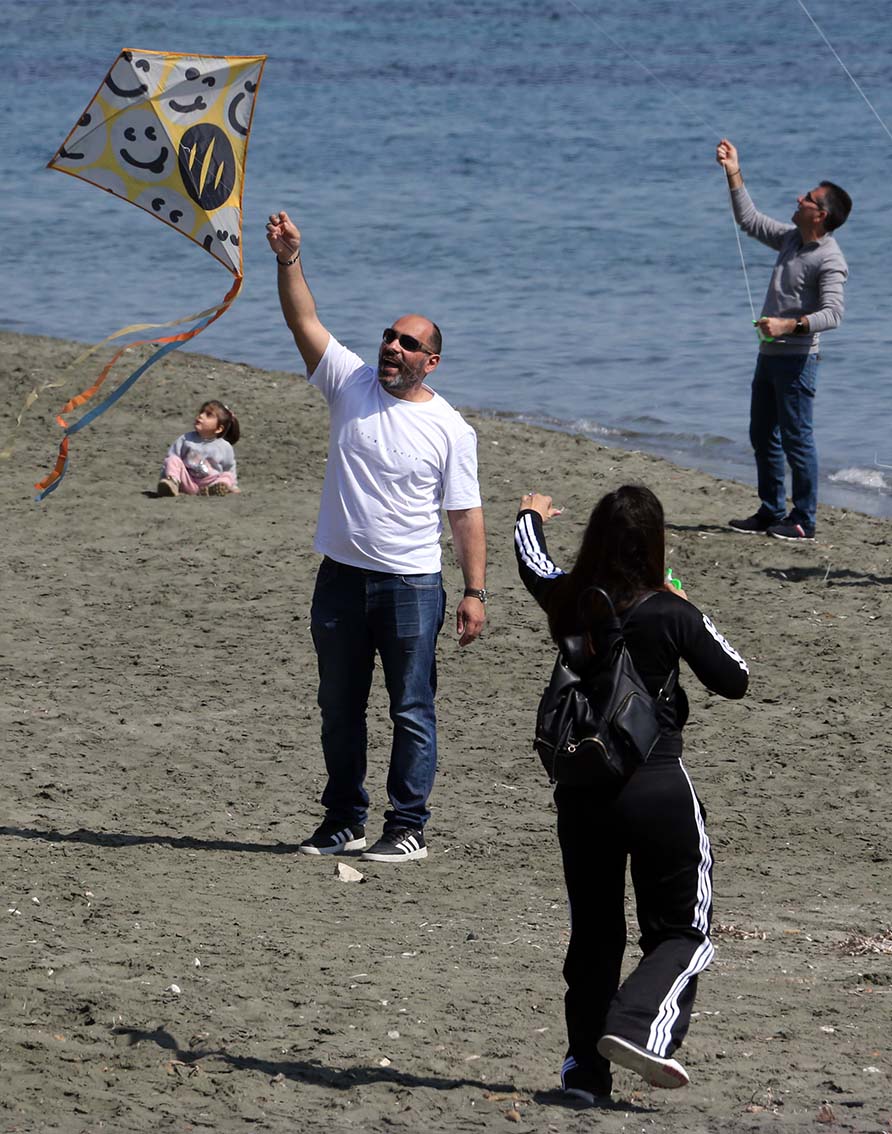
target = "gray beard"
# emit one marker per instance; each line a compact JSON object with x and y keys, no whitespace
{"x":399,"y":382}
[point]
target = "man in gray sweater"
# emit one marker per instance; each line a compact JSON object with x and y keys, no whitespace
{"x":805,"y":297}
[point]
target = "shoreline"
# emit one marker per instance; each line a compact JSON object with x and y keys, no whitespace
{"x":871,"y":499}
{"x":163,"y":763}
{"x":867,"y":499}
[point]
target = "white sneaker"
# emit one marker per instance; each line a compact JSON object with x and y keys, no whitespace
{"x":652,"y":1068}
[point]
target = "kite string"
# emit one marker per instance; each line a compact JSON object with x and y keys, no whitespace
{"x":845,"y":68}
{"x":746,"y":278}
{"x":645,"y":69}
{"x":857,"y":87}
{"x":699,"y":117}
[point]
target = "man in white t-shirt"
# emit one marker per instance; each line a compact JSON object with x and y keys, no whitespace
{"x":398,"y":456}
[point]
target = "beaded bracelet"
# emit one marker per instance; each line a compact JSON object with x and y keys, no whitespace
{"x":288,"y":263}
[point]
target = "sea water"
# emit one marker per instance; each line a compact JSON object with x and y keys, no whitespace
{"x":536,"y":175}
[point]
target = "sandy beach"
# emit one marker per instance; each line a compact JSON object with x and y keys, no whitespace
{"x":172,"y":965}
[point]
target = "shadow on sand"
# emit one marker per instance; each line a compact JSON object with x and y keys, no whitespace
{"x":176,"y":842}
{"x":316,"y":1073}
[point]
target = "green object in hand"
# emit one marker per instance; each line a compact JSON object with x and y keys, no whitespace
{"x":673,"y":580}
{"x":762,"y":338}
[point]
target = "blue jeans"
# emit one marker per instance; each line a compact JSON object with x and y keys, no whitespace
{"x":356,"y":613}
{"x":781,"y":412}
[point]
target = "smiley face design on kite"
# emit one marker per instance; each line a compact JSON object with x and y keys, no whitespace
{"x":240,"y":106}
{"x":87,"y":142}
{"x":169,"y":206}
{"x":192,"y":88}
{"x":133,"y":77}
{"x":140,"y":146}
{"x":220,"y":236}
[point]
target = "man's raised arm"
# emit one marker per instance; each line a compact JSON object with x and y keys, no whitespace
{"x":755,"y":224}
{"x":298,"y":305}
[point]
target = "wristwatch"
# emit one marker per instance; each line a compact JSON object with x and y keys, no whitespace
{"x":800,"y":328}
{"x":473,"y":592}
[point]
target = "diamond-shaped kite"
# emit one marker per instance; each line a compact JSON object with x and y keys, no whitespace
{"x":169,"y":133}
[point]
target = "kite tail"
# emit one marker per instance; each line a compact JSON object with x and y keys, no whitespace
{"x":7,"y":450}
{"x":172,"y":342}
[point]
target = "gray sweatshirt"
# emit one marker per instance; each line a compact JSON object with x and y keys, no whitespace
{"x":203,"y":458}
{"x":807,"y":279}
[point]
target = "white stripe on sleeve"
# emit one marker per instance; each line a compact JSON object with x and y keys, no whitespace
{"x":725,"y":644}
{"x":531,"y":551}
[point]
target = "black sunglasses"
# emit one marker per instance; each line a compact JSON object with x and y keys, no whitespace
{"x":407,"y":342}
{"x":817,"y":204}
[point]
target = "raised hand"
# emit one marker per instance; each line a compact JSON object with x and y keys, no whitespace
{"x":541,"y":504}
{"x":283,"y":235}
{"x":727,"y":157}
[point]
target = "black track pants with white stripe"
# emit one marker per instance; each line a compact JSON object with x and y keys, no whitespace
{"x":656,"y":823}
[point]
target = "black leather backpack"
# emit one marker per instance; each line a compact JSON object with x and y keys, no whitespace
{"x":596,"y":721}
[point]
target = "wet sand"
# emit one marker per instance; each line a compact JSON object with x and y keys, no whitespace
{"x":162,"y":762}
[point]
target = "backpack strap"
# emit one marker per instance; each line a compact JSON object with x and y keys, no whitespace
{"x":573,"y":651}
{"x":621,"y":619}
{"x":668,"y":686}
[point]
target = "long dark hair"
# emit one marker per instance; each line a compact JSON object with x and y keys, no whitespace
{"x":623,"y":551}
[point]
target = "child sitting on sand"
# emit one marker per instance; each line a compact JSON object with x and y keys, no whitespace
{"x":202,"y":463}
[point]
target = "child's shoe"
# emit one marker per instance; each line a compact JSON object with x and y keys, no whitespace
{"x":217,"y":490}
{"x":168,"y":487}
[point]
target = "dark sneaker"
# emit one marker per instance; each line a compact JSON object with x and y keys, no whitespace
{"x":581,"y":1099}
{"x":653,"y":1069}
{"x":333,"y":837}
{"x":789,"y":529}
{"x":579,"y":1088}
{"x":402,"y":844}
{"x":167,"y":486}
{"x":756,"y":524}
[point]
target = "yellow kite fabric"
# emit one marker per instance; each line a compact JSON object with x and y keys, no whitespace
{"x":169,"y":133}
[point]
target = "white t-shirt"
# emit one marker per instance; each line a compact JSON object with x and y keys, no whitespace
{"x":393,"y":465}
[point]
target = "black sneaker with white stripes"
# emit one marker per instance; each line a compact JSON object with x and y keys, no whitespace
{"x":583,"y":1088}
{"x":334,"y":837}
{"x":402,"y":844}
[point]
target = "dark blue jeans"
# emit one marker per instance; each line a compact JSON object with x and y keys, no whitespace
{"x":781,"y":413}
{"x":356,"y":614}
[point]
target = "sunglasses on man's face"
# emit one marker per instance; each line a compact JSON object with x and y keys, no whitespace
{"x":407,"y":342}
{"x":817,"y":204}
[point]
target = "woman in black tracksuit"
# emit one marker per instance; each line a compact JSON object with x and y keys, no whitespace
{"x":655,"y":820}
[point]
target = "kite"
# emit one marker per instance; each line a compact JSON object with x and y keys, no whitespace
{"x":169,"y":133}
